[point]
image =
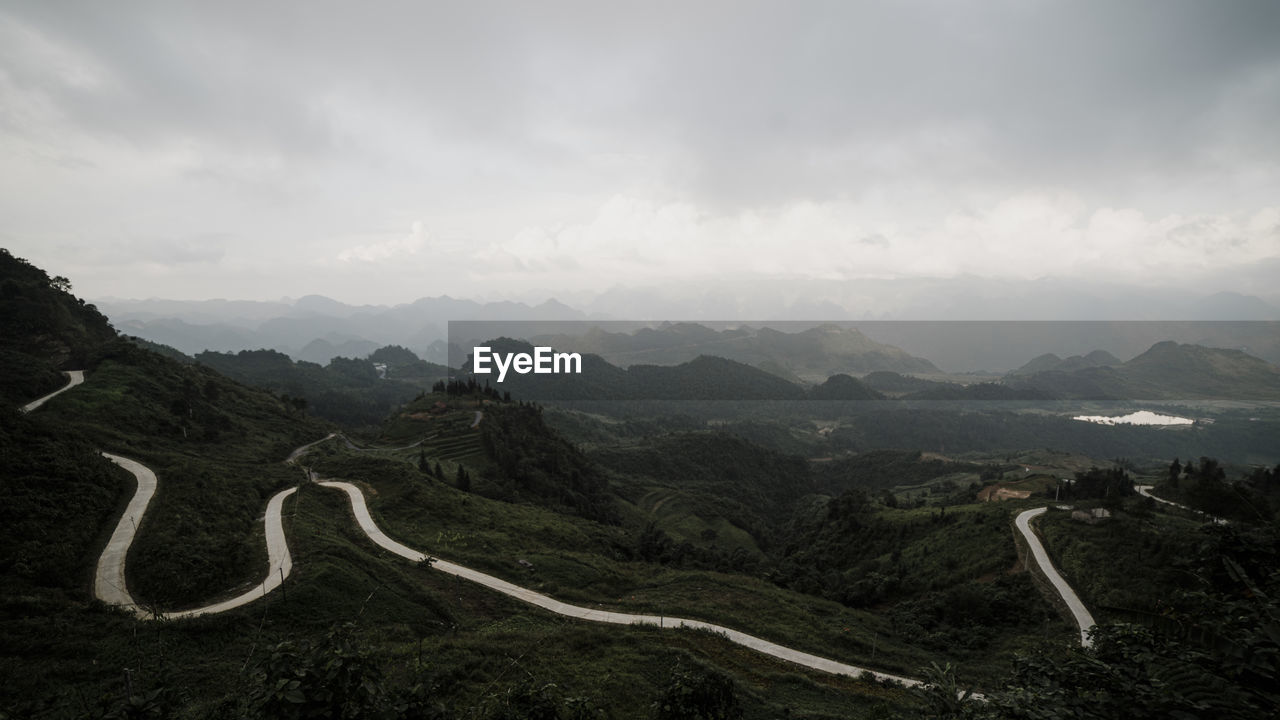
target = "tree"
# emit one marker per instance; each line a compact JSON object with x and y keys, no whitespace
{"x":890,"y":500}
{"x":463,"y":479}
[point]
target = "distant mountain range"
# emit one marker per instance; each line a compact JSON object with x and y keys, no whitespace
{"x":963,"y":298}
{"x":950,"y":322}
{"x":702,"y":378}
{"x":1167,"y":371}
{"x":1050,"y":362}
{"x":811,"y":354}
{"x":314,"y":328}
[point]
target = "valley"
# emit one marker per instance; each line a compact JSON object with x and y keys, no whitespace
{"x":842,"y":553}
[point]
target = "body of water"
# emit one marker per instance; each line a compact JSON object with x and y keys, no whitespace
{"x":1141,"y":417}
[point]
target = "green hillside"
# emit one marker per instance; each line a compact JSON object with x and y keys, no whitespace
{"x":879,"y":558}
{"x":43,"y":329}
{"x":347,"y":390}
{"x":1167,"y":370}
{"x":843,"y":387}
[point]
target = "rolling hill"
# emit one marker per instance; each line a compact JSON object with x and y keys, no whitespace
{"x":1166,"y":371}
{"x":812,"y":354}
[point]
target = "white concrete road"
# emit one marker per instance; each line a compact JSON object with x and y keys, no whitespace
{"x":1081,"y":613}
{"x":366,"y":523}
{"x":109,"y":582}
{"x":1145,"y":491}
{"x":74,"y":378}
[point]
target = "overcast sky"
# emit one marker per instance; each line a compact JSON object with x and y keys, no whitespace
{"x":381,"y":152}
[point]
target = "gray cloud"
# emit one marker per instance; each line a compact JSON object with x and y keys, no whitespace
{"x":304,"y":129}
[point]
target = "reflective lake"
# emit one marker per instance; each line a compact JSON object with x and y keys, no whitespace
{"x":1141,"y":417}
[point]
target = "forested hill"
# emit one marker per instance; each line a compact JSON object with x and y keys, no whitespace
{"x":350,"y":391}
{"x":703,"y":378}
{"x":813,"y":353}
{"x":1167,"y":370}
{"x":43,"y":329}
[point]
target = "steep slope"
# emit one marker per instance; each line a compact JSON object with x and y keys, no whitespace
{"x":216,"y":445}
{"x":43,"y":328}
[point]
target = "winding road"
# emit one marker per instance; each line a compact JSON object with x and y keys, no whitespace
{"x":1145,"y":491}
{"x":110,"y":585}
{"x":1078,"y":611}
{"x":74,"y":378}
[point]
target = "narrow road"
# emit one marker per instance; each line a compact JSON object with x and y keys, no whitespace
{"x":1081,"y":613}
{"x":1145,"y":491}
{"x":74,"y":378}
{"x":109,"y":583}
{"x":370,"y":528}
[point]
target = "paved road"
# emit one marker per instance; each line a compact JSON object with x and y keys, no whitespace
{"x":1145,"y":491}
{"x":74,"y":378}
{"x":109,"y":582}
{"x":1081,"y":613}
{"x":366,"y":523}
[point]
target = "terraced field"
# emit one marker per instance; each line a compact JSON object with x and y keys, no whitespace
{"x":677,"y":514}
{"x":445,"y":434}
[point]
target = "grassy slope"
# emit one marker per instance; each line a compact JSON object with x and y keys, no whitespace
{"x":584,"y":562}
{"x":217,"y":450}
{"x":1127,"y":562}
{"x":473,"y":644}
